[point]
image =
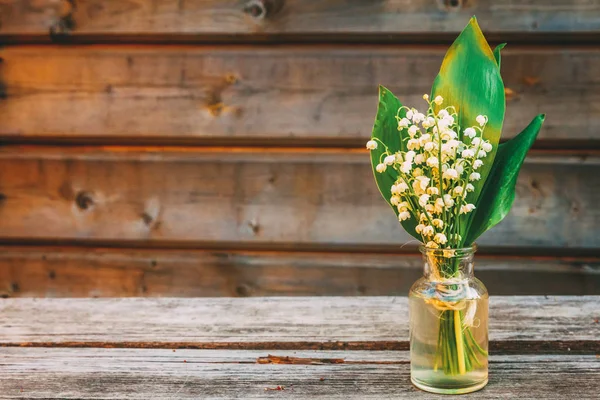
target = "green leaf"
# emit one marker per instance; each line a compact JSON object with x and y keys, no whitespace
{"x":498,"y":192}
{"x":497,"y":53}
{"x":385,"y":129}
{"x":469,"y":80}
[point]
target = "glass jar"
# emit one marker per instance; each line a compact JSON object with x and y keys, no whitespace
{"x":448,"y":310}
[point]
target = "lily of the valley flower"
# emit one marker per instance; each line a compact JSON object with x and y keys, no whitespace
{"x":440,"y":238}
{"x":436,"y":170}
{"x":470,"y":132}
{"x":389,"y":160}
{"x":450,"y":173}
{"x":467,"y":208}
{"x":404,"y":215}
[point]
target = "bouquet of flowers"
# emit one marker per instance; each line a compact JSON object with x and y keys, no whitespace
{"x":444,"y":173}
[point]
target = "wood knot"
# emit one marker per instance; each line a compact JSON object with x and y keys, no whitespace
{"x":451,"y":5}
{"x":531,"y":80}
{"x":215,"y":109}
{"x":510,"y":94}
{"x":243,"y":290}
{"x":3,"y":90}
{"x":231,"y":79}
{"x":65,"y":23}
{"x":254,"y":226}
{"x":150,"y":214}
{"x":261,"y":9}
{"x":84,"y":200}
{"x":535,"y":185}
{"x":147,"y":218}
{"x":256,"y":8}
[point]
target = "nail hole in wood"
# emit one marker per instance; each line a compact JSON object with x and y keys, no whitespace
{"x":52,"y":275}
{"x":84,"y":200}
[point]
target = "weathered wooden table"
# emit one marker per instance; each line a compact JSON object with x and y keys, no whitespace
{"x":305,"y":348}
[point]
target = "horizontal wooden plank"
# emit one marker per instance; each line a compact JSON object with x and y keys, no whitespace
{"x":218,"y":374}
{"x":517,"y":323}
{"x":306,"y":197}
{"x":85,"y":272}
{"x":295,"y":16}
{"x":267,"y":94}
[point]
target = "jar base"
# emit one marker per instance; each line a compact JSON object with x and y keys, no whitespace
{"x":458,"y":390}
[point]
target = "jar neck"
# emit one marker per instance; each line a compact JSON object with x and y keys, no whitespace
{"x":444,"y":264}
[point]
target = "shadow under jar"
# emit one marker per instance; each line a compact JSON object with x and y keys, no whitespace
{"x":448,"y":310}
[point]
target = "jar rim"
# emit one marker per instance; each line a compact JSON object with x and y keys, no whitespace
{"x":455,"y":252}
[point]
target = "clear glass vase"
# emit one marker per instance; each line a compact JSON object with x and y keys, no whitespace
{"x":448,"y":324}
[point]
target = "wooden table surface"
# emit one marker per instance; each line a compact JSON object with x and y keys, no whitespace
{"x":338,"y":348}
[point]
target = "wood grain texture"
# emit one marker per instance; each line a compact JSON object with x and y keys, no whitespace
{"x":267,"y":94}
{"x":192,"y":374}
{"x":516,"y":322}
{"x":266,"y":197}
{"x":298,"y":16}
{"x":85,"y":272}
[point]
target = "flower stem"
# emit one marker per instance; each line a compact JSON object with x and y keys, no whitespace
{"x":460,"y":348}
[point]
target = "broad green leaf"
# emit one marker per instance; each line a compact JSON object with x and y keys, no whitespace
{"x":469,"y":80}
{"x":385,"y":129}
{"x":497,"y":50}
{"x":498,"y":192}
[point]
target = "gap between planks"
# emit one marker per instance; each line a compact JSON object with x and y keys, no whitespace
{"x":563,"y":254}
{"x":496,"y":347}
{"x":568,"y":147}
{"x":538,"y":39}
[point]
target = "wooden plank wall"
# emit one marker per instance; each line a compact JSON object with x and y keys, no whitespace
{"x":215,"y":148}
